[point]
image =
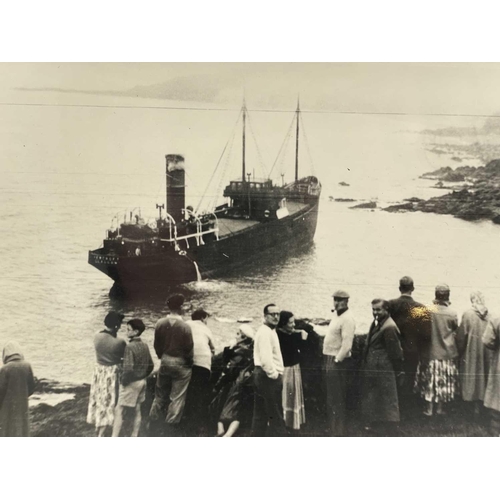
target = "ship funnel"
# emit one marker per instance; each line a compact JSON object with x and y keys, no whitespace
{"x":175,"y":186}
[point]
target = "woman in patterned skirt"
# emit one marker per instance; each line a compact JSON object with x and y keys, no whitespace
{"x":103,"y":391}
{"x":437,"y":373}
{"x":291,"y":342}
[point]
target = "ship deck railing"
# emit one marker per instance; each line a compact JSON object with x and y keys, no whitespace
{"x":198,"y":236}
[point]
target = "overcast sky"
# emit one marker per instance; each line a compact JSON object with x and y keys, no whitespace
{"x":456,"y":88}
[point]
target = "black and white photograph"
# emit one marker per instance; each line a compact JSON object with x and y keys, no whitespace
{"x":250,"y":249}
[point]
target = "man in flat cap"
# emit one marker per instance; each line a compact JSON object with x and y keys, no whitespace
{"x":338,"y":363}
{"x":413,"y":321}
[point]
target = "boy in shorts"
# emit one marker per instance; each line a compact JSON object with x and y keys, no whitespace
{"x":137,"y":365}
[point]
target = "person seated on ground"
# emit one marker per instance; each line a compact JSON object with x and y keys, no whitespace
{"x":232,"y":403}
{"x":137,"y":366}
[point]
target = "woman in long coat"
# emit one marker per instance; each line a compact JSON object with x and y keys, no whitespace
{"x":491,"y":339}
{"x":475,"y":362}
{"x":16,"y":385}
{"x":380,"y":367}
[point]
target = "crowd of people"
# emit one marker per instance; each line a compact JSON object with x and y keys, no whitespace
{"x":415,"y":358}
{"x":275,"y":380}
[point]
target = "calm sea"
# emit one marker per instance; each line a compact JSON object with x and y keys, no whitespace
{"x":66,"y":172}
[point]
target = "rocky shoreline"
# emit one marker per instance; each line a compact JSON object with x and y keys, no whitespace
{"x":67,"y":417}
{"x":477,"y":199}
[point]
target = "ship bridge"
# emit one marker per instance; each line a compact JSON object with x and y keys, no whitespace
{"x":257,"y":199}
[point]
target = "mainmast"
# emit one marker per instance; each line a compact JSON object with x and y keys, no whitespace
{"x":243,"y":142}
{"x":296,"y":143}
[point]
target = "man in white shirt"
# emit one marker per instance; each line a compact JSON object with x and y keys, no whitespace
{"x":338,"y":362}
{"x":268,"y":378}
{"x":196,"y":411}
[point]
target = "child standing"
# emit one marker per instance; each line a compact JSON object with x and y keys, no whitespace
{"x":137,"y":365}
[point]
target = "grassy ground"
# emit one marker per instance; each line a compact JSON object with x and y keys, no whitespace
{"x":68,"y":419}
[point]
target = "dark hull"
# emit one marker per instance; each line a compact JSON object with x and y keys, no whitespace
{"x":214,"y":258}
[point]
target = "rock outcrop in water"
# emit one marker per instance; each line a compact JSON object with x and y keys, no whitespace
{"x":369,"y":204}
{"x":401,"y":207}
{"x":480,"y":200}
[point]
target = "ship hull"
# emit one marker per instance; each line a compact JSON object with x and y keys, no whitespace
{"x":212,"y":259}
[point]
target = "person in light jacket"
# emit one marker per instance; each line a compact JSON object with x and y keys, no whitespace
{"x":338,"y":363}
{"x":475,"y":359}
{"x":491,"y":339}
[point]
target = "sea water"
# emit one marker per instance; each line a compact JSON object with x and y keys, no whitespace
{"x":66,"y":172}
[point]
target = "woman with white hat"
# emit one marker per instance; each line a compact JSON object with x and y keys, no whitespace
{"x":233,"y":402}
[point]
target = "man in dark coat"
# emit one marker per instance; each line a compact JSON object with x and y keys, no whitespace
{"x":413,"y":322}
{"x":380,"y":367}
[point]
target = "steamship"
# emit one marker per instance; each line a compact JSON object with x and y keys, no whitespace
{"x":184,"y":245}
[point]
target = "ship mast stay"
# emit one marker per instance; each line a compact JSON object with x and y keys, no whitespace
{"x":297,"y":143}
{"x":244,"y":112}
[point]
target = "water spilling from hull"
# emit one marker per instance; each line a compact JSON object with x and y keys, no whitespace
{"x":198,"y":275}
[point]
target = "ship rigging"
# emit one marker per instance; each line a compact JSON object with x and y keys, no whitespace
{"x":185,"y":244}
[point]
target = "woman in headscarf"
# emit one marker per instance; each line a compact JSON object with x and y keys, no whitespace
{"x":291,"y":342}
{"x":475,"y":359}
{"x":232,"y":404}
{"x":16,"y":385}
{"x":437,"y":379}
{"x":109,"y":356}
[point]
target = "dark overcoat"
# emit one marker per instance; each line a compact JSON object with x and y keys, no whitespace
{"x":414,"y":323}
{"x":16,"y":385}
{"x":378,"y":391}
